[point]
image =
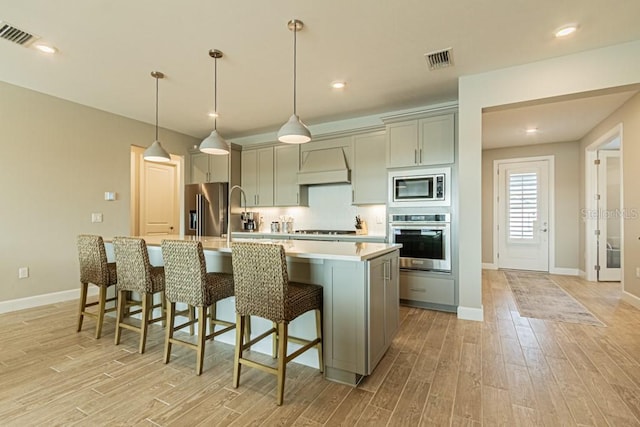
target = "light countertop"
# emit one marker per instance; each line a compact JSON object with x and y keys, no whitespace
{"x":345,"y":251}
{"x":302,"y":236}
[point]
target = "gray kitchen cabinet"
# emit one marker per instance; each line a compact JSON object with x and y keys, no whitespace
{"x":417,"y":286}
{"x":287,"y":192}
{"x":368,"y":177}
{"x":257,"y":176}
{"x":383,"y":305}
{"x":421,"y":142}
{"x":208,"y":168}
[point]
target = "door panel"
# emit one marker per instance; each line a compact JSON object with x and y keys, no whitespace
{"x":158,"y":199}
{"x":609,"y":216}
{"x":523,"y":226}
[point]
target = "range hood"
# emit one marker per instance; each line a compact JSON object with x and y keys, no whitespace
{"x":324,"y":166}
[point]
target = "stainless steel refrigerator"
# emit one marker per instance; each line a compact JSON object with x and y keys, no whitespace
{"x":206,"y":209}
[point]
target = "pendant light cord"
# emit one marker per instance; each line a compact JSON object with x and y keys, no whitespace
{"x":156,"y":108}
{"x":295,"y":31}
{"x":215,"y":93}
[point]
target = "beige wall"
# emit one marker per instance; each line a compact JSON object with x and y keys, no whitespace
{"x":58,"y":159}
{"x":629,"y":116}
{"x":566,"y":200}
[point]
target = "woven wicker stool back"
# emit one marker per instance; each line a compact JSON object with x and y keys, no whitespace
{"x":184,"y":267}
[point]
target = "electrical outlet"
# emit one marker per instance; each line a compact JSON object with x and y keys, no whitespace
{"x":96,"y":217}
{"x":378,"y":219}
{"x":23,"y":272}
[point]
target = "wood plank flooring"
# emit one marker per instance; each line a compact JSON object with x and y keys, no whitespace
{"x":508,"y":370}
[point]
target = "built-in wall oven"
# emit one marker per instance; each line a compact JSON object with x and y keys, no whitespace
{"x":425,"y":239}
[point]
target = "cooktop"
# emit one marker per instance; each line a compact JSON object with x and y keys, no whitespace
{"x":330,"y":232}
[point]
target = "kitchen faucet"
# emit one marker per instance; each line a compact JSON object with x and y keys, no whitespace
{"x":244,"y":196}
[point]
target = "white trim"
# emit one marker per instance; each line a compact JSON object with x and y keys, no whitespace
{"x":489,"y":266}
{"x":565,"y":271}
{"x":551,"y":203}
{"x":44,"y":299}
{"x":591,"y":186}
{"x":471,"y":313}
{"x":631,"y":299}
{"x":582,"y":274}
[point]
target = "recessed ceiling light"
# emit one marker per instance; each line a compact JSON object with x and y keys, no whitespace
{"x":45,"y":48}
{"x":338,"y":85}
{"x":566,"y":30}
{"x":213,"y":114}
{"x":531,"y":131}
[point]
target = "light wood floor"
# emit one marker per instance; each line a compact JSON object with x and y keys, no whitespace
{"x":507,"y":370}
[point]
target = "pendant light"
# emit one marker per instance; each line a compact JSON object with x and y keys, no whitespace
{"x":214,"y":143}
{"x":155,"y":152}
{"x":294,"y":131}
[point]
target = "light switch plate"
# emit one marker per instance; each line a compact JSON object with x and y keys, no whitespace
{"x":23,"y":272}
{"x":109,"y":196}
{"x":96,"y":217}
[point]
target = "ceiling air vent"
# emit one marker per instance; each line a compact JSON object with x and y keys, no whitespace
{"x":16,"y":35}
{"x":439,"y":59}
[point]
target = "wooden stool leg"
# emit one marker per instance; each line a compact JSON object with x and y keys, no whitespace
{"x":202,"y":335}
{"x":83,"y":304}
{"x":121,"y":304}
{"x":163,"y":302}
{"x":147,"y":303}
{"x":319,"y":345}
{"x":101,"y":308}
{"x":282,"y":359}
{"x":192,"y":315}
{"x":171,"y":308}
{"x":213,"y":315}
{"x":274,"y":341}
{"x":240,"y":324}
{"x":247,"y":329}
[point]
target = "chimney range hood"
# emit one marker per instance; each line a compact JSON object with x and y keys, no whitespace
{"x":324,"y":166}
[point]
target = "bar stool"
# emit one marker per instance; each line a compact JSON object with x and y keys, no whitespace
{"x":136,"y":274}
{"x":94,"y":269}
{"x":263,"y":289}
{"x":187,"y":281}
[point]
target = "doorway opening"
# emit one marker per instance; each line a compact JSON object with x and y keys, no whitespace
{"x":523,"y":213}
{"x":155,"y":195}
{"x":604,"y":211}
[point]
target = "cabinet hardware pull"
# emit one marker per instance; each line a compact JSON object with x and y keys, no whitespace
{"x":415,"y":155}
{"x":418,"y":290}
{"x":421,"y":156}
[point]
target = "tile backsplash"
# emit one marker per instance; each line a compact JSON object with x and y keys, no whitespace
{"x":329,"y":208}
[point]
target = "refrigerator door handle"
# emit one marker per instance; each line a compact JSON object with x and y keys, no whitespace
{"x":199,"y":213}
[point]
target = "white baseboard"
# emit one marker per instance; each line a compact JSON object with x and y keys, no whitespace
{"x":631,"y":299}
{"x":582,"y":274}
{"x":469,"y":313}
{"x":564,"y":271}
{"x":40,"y":300}
{"x":489,"y":266}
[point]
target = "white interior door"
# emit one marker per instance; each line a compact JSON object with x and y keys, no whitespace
{"x":523,"y":211}
{"x":158,"y":198}
{"x":609,"y":215}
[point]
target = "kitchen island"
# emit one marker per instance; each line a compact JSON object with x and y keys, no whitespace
{"x":360,"y":282}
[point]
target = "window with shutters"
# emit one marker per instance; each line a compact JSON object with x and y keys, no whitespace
{"x":523,"y":205}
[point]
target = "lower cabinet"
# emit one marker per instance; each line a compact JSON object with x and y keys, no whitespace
{"x":383,"y":306}
{"x":418,"y":286}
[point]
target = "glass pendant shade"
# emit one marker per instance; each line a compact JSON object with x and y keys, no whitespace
{"x":294,"y":131}
{"x":214,"y":144}
{"x":155,"y":153}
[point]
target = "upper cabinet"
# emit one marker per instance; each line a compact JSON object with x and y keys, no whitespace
{"x":287,"y":192}
{"x":257,"y":176}
{"x":209,"y":168}
{"x":368,"y":177}
{"x":421,"y":142}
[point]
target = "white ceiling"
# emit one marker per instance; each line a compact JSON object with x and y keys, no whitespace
{"x":555,"y":120}
{"x":107,"y":49}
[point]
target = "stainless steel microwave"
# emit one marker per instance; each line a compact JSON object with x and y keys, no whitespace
{"x":419,"y":188}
